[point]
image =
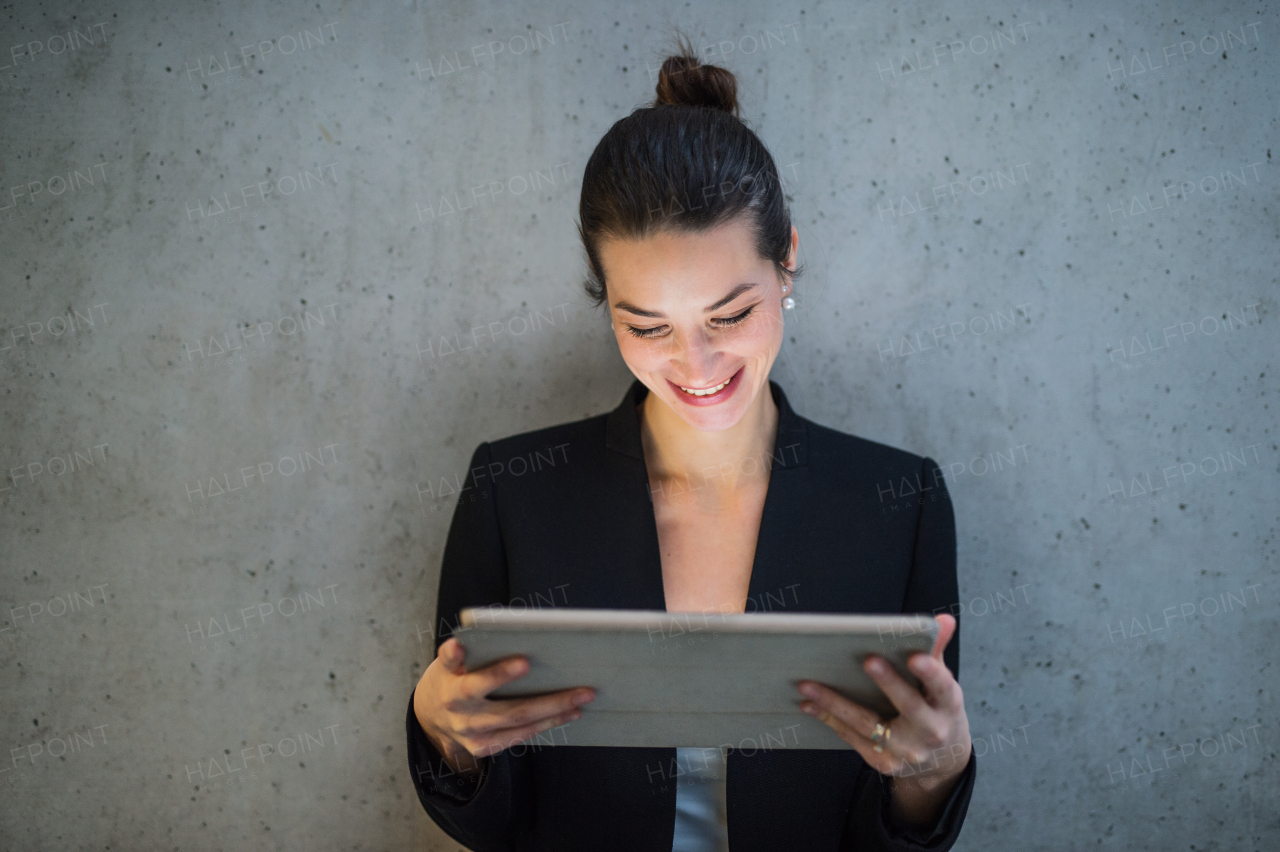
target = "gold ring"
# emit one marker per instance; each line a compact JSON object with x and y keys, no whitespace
{"x":880,"y":736}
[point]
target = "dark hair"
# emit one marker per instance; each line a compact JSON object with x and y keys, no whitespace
{"x":687,"y":164}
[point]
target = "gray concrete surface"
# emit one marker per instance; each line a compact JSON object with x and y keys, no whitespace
{"x":1042,"y":243}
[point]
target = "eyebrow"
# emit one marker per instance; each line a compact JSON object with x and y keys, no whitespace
{"x":641,"y":312}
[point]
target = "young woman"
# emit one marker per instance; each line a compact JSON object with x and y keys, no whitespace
{"x":701,"y":492}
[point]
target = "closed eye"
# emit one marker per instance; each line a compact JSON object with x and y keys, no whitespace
{"x":723,"y":322}
{"x":645,"y":332}
{"x":734,"y":320}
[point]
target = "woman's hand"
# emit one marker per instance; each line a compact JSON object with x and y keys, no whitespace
{"x":926,"y":747}
{"x":463,"y":724}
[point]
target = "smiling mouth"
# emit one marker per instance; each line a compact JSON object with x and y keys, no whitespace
{"x":711,"y":391}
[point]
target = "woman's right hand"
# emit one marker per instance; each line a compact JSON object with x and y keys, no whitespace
{"x":463,"y":724}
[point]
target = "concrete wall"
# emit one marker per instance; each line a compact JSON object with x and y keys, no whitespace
{"x":1042,"y":249}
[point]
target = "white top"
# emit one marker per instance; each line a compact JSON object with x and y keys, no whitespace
{"x":701,"y":812}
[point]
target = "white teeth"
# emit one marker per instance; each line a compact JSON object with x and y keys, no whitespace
{"x":708,"y":391}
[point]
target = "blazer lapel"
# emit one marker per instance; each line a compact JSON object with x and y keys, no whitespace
{"x":635,"y":546}
{"x":776,"y":559}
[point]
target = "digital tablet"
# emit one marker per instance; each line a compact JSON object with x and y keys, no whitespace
{"x":666,"y":679}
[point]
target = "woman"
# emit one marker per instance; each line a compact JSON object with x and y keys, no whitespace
{"x":703,"y":491}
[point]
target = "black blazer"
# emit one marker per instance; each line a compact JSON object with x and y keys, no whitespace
{"x":563,"y":516}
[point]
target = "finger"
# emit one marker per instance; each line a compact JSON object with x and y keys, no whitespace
{"x":855,"y":724}
{"x":826,"y":699}
{"x":941,"y":690}
{"x":895,"y":750}
{"x":906,"y":698}
{"x":900,"y":748}
{"x":505,"y":739}
{"x":481,"y":682}
{"x":452,"y":656}
{"x":946,"y":629}
{"x":517,"y":712}
{"x":881,"y":761}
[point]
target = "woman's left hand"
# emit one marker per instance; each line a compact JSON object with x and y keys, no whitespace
{"x":928,"y":744}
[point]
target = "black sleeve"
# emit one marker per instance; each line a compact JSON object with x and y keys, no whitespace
{"x":486,"y":814}
{"x":433,"y":772}
{"x":932,"y":588}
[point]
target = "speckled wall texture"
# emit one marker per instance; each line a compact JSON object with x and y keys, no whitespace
{"x":272,"y":270}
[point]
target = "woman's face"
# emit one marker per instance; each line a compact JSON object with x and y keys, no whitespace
{"x":696,"y":312}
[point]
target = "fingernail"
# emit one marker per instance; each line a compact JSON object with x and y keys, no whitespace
{"x":876,"y":665}
{"x":809,"y":690}
{"x":809,"y":708}
{"x":583,"y":698}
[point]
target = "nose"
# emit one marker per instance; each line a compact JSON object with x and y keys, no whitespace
{"x":694,"y":355}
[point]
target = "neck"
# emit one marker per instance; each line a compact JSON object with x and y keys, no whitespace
{"x":675,"y":450}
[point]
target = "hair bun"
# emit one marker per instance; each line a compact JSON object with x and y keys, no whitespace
{"x":684,"y":80}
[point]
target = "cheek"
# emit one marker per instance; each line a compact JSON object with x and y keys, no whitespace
{"x":640,"y":355}
{"x":763,"y":337}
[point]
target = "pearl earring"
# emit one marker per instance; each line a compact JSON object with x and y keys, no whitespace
{"x":787,"y":303}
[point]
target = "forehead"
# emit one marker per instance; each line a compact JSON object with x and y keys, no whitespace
{"x":671,"y":264}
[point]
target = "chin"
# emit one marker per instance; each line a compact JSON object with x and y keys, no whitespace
{"x":705,"y":421}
